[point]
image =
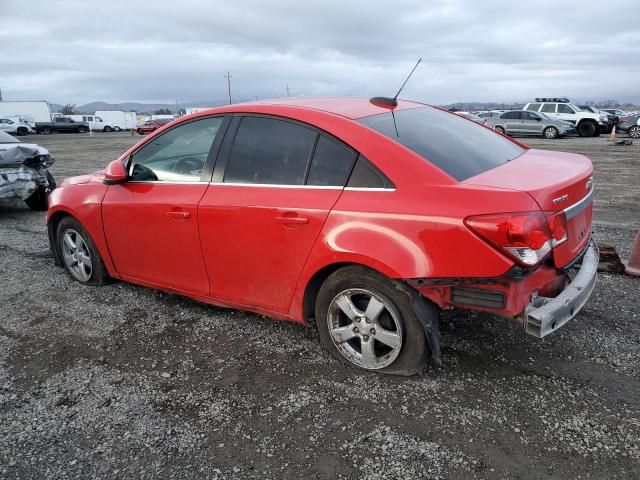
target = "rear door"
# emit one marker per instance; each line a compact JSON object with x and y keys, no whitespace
{"x":275,"y":182}
{"x":512,"y":122}
{"x":151,"y":221}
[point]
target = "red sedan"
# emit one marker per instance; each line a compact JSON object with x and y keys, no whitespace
{"x":363,"y":218}
{"x":152,"y":125}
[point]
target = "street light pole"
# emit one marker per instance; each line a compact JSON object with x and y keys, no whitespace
{"x":228,"y":77}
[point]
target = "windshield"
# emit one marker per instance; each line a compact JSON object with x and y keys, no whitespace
{"x":461,"y":148}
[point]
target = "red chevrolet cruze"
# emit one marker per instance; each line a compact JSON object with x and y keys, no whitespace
{"x":365,"y":218}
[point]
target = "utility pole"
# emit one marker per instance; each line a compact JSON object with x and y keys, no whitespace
{"x":288,"y":90}
{"x":228,"y":77}
{"x":0,"y":94}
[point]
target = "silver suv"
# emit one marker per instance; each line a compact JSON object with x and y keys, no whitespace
{"x":520,"y":122}
{"x":587,"y":124}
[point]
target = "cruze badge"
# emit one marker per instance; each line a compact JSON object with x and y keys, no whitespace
{"x":561,"y":199}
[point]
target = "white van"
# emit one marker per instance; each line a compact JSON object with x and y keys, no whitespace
{"x":118,"y":120}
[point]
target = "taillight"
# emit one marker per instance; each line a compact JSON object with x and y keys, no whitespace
{"x":527,"y":237}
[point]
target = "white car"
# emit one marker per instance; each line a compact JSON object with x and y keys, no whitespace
{"x":587,"y":124}
{"x":16,"y":126}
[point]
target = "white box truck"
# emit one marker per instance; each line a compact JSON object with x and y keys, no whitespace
{"x":118,"y":120}
{"x":34,"y":112}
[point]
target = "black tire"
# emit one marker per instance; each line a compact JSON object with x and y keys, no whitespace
{"x":82,"y":129}
{"x":39,"y":200}
{"x":634,"y":131}
{"x":406,"y":359}
{"x":586,"y":129}
{"x":46,"y":130}
{"x":98,"y":273}
{"x":499,"y":129}
{"x":22,"y":131}
{"x":551,"y":133}
{"x":108,"y":129}
{"x":140,"y":132}
{"x":117,"y":128}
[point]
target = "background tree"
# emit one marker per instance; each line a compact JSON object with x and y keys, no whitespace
{"x":69,"y":109}
{"x":163,"y":111}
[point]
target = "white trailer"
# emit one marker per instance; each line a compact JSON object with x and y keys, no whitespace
{"x":33,"y":111}
{"x":118,"y":120}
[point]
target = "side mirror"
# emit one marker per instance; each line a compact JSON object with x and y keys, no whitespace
{"x":538,"y":119}
{"x":114,"y":173}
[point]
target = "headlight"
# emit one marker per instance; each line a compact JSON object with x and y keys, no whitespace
{"x":604,"y":118}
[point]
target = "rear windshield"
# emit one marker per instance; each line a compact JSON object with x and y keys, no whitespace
{"x":460,"y":147}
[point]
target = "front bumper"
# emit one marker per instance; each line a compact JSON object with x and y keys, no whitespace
{"x":544,"y":315}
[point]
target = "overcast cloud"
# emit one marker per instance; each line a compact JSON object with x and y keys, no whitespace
{"x":76,"y":51}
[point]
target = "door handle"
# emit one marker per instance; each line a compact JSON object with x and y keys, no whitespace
{"x":178,"y":215}
{"x":293,"y":220}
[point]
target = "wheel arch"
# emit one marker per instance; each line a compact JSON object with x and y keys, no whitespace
{"x":52,"y":229}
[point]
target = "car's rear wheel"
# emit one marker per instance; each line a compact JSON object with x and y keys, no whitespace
{"x":46,"y":130}
{"x":551,"y":132}
{"x":79,"y":254}
{"x":499,"y":129}
{"x":634,"y":131}
{"x":366,"y":321}
{"x":116,"y":128}
{"x":586,"y":129}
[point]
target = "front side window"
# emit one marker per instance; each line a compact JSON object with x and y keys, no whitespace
{"x":563,"y":108}
{"x":178,"y":155}
{"x":460,"y":148}
{"x":549,"y":108}
{"x":269,"y":151}
{"x":530,"y":116}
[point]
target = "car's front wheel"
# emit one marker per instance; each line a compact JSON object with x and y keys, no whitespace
{"x":550,"y":132}
{"x":81,"y":129}
{"x":365,"y":320}
{"x":107,"y":129}
{"x":634,"y":131}
{"x":79,"y":254}
{"x":587,"y":129}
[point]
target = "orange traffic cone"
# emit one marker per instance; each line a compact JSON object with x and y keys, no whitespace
{"x":633,"y":265}
{"x":612,"y":136}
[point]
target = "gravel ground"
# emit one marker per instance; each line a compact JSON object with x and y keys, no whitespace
{"x":127,"y":382}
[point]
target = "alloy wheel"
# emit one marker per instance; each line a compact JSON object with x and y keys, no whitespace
{"x":77,"y":256}
{"x":634,"y":132}
{"x":365,"y":327}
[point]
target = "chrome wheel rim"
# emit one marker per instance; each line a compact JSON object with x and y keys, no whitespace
{"x":365,"y":327}
{"x":634,"y":132}
{"x":550,"y":133}
{"x":76,"y":255}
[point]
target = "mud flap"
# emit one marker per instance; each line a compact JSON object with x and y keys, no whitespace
{"x":430,"y":323}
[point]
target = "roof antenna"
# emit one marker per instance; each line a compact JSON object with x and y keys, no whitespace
{"x":387,"y":102}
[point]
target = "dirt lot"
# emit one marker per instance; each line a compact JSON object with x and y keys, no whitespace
{"x":126,"y":382}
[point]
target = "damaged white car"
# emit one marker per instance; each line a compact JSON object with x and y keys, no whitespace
{"x":24,"y":174}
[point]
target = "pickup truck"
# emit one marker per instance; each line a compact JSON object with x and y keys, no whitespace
{"x":62,"y":124}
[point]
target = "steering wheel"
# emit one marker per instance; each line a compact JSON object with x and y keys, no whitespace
{"x":186,"y":165}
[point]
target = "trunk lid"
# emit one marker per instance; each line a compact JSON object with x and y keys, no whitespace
{"x":557,"y":181}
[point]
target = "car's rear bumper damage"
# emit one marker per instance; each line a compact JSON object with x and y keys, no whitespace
{"x":542,"y":299}
{"x":544,"y":315}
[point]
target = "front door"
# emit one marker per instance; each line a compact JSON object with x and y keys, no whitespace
{"x":275,"y":185}
{"x":151,"y":221}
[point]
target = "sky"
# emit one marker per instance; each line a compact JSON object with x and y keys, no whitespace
{"x":77,"y":51}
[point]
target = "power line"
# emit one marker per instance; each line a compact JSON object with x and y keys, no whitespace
{"x":228,"y":77}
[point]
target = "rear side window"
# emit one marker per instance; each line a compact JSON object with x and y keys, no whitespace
{"x":269,"y":151}
{"x":534,"y":107}
{"x":511,"y":115}
{"x":331,"y":164}
{"x":549,"y":108}
{"x":365,"y":175}
{"x":457,"y":146}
